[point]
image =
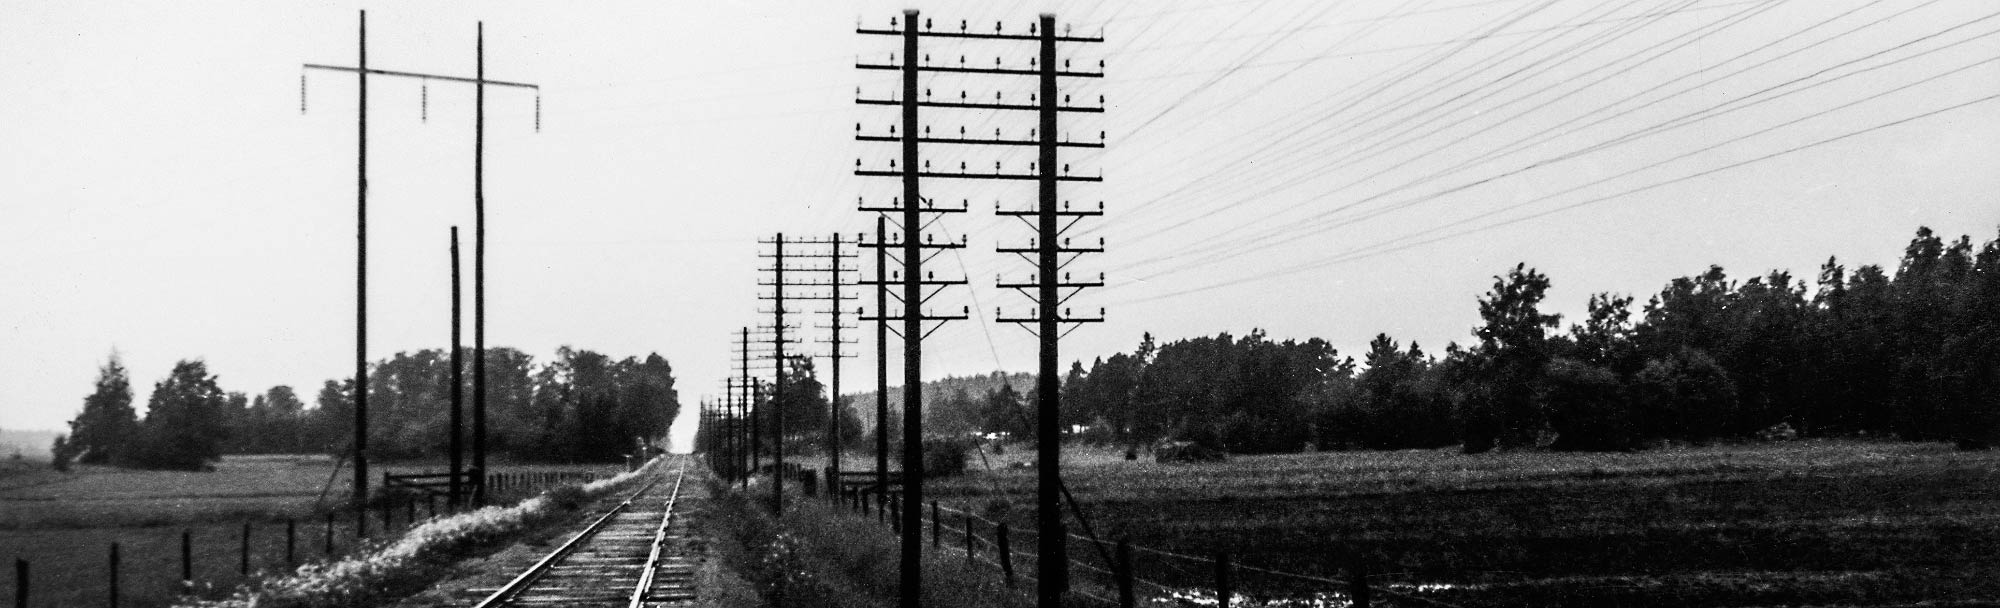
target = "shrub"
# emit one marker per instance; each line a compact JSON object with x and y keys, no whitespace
{"x":1586,"y":408}
{"x":1186,"y":451}
{"x":946,"y":457}
{"x":1686,"y":396}
{"x":60,"y":455}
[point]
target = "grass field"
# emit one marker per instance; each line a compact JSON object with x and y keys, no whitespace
{"x":1829,"y":523}
{"x":64,"y":523}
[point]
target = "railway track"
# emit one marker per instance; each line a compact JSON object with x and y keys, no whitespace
{"x":633,"y":557}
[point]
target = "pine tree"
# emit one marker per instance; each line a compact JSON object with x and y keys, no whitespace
{"x":184,"y":426}
{"x":107,"y":425}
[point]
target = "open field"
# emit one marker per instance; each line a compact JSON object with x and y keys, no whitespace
{"x":34,"y":496}
{"x":64,"y":523}
{"x":1820,"y":523}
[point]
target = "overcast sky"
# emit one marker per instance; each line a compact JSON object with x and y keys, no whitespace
{"x":1313,"y":168}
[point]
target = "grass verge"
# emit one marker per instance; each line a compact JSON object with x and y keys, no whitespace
{"x":408,"y":563}
{"x":813,"y":555}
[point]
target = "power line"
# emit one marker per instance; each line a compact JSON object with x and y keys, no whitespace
{"x":1361,"y":253}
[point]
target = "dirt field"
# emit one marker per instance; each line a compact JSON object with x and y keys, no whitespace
{"x":1833,"y":523}
{"x":64,"y":523}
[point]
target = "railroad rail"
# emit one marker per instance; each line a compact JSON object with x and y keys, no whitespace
{"x":622,"y":559}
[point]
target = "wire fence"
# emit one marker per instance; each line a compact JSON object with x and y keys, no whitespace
{"x":152,"y":565}
{"x":1120,"y":573}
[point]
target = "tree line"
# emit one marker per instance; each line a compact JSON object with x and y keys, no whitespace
{"x":1856,"y":352}
{"x":579,"y":406}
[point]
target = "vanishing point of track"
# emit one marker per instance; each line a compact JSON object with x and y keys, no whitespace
{"x":628,"y":557}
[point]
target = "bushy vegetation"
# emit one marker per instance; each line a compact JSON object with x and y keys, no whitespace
{"x":580,"y":406}
{"x":812,"y":555}
{"x":183,"y":429}
{"x":946,"y":457}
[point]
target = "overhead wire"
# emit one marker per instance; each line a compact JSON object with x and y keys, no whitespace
{"x":1304,"y":176}
{"x":1324,"y":138}
{"x":1374,"y":85}
{"x":1361,"y":253}
{"x":1324,"y":219}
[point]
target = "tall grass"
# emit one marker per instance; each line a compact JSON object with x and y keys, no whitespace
{"x":813,"y":555}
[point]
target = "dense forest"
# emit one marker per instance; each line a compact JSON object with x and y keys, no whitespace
{"x":1854,"y":352}
{"x":580,"y":405}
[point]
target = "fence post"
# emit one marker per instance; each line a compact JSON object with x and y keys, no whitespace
{"x":937,"y":527}
{"x":114,"y":575}
{"x":896,"y":515}
{"x":1223,"y":592}
{"x":1122,"y":570}
{"x":1006,"y":555}
{"x":20,"y":583}
{"x":329,"y":533}
{"x":1357,"y":583}
{"x":291,"y":542}
{"x":968,"y":537}
{"x":243,"y":565}
{"x":409,"y":512}
{"x":431,"y":504}
{"x":187,"y":558}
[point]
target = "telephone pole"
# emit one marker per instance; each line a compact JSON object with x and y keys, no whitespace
{"x":747,"y":386}
{"x":783,"y":262}
{"x":835,"y":412}
{"x":1047,"y":103}
{"x":881,"y":355}
{"x":734,"y":423}
{"x":756,"y":401}
{"x":457,"y":491}
{"x":777,"y":297}
{"x":479,"y":82}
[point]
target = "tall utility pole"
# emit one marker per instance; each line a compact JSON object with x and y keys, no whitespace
{"x":756,"y":398}
{"x":479,"y":271}
{"x":743,"y":447}
{"x":360,"y":442}
{"x":836,"y":412}
{"x":360,"y":294}
{"x":750,"y":361}
{"x":1050,"y":248}
{"x":733,"y":405}
{"x":1047,"y":103}
{"x":881,"y":355}
{"x":912,"y":206}
{"x":782,"y":262}
{"x":777,"y":297}
{"x":479,"y":83}
{"x":457,"y":386}
{"x":749,"y":404}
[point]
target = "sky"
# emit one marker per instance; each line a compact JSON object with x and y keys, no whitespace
{"x":172,"y":189}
